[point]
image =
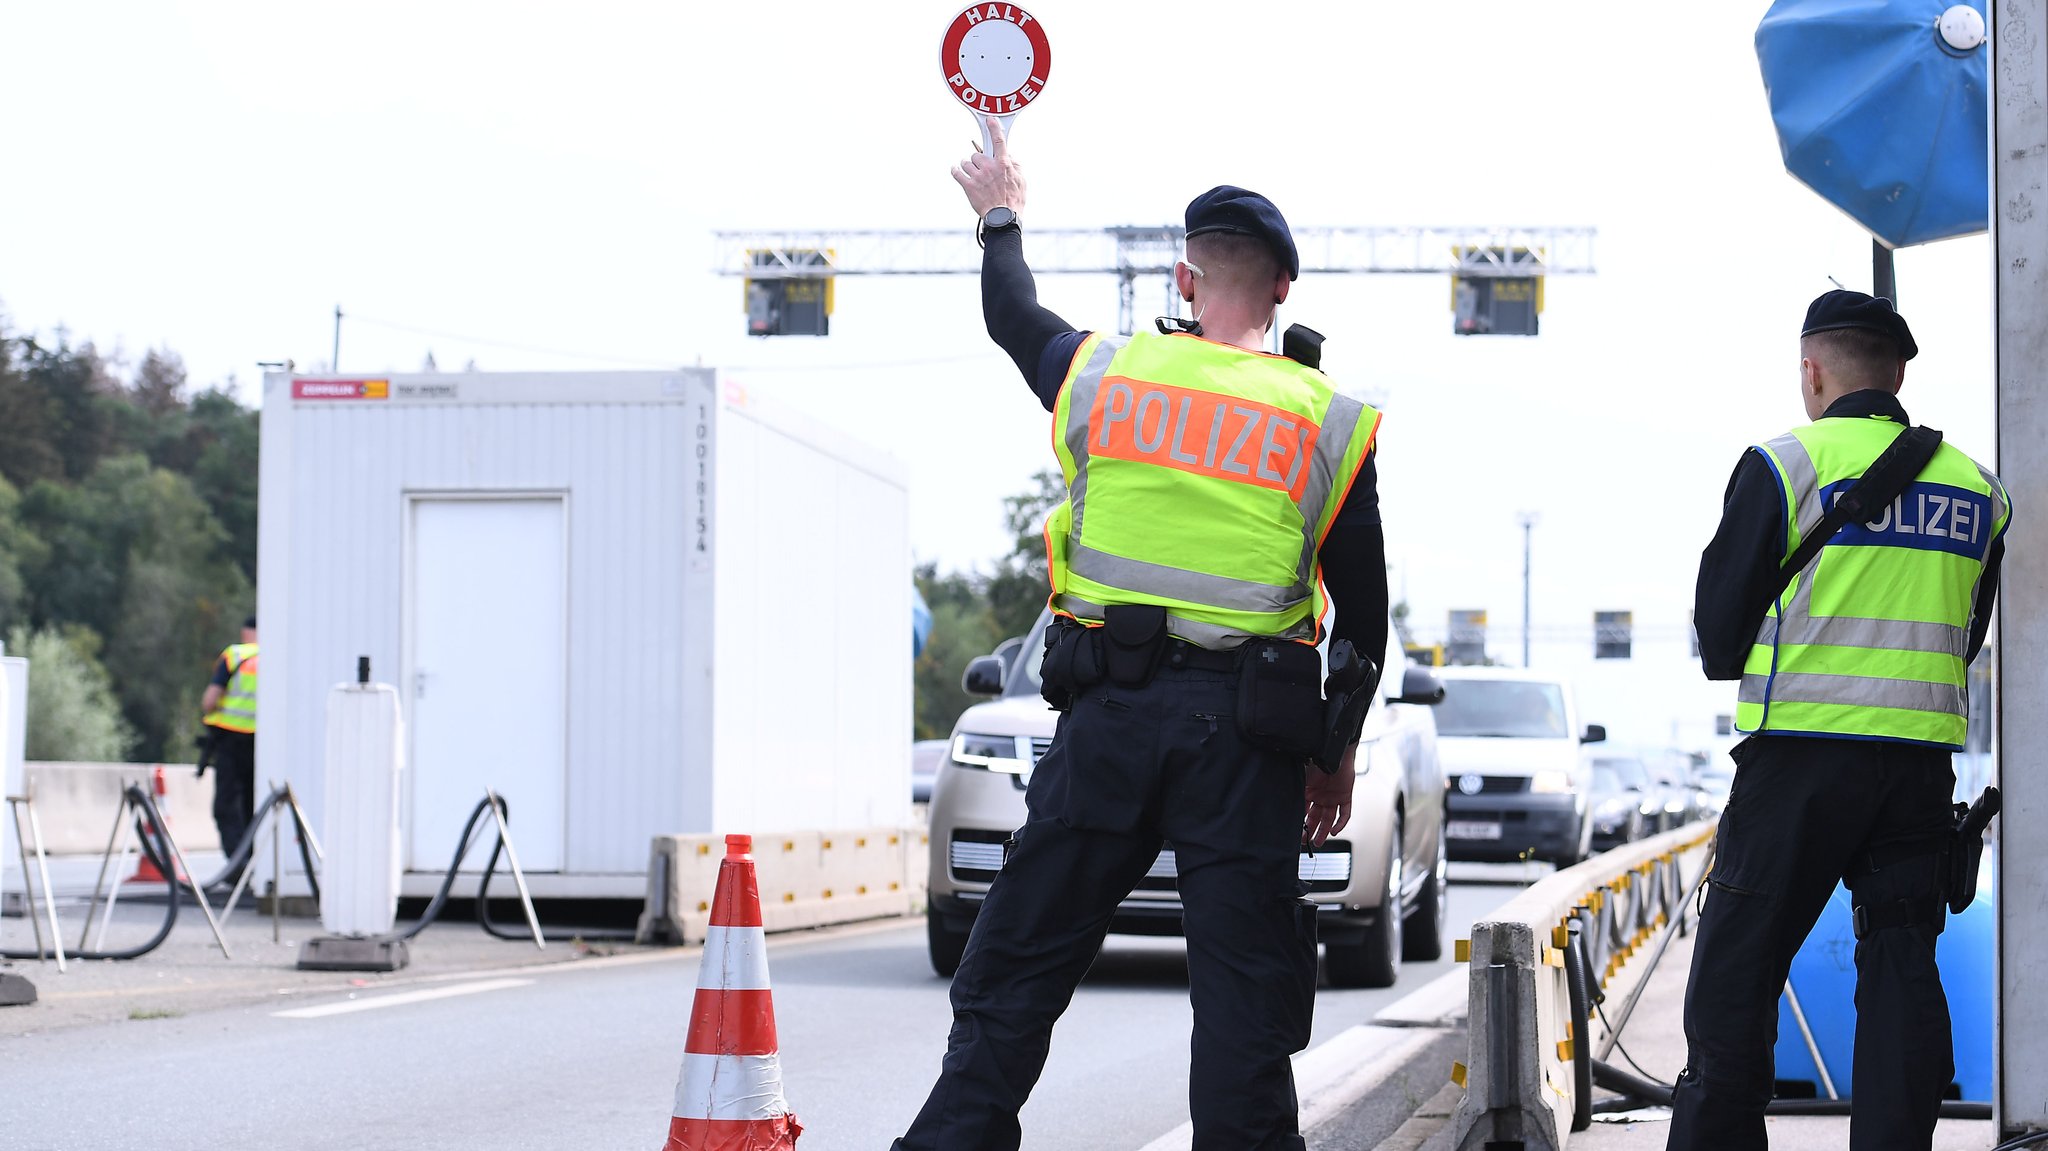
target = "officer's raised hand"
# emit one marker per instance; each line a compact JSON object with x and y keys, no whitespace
{"x":992,"y":180}
{"x":1329,"y":799}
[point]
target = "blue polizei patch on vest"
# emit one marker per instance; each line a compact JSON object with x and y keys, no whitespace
{"x":1930,"y":517}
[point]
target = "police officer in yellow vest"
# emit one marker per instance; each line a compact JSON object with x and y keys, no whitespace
{"x":229,"y":708}
{"x":1211,"y":487}
{"x":1853,"y":695}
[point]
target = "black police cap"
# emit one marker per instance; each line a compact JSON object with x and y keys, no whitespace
{"x":1231,"y":209}
{"x":1845,"y":309}
{"x":250,"y":623}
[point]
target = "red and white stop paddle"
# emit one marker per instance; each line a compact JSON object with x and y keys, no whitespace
{"x":995,"y":58}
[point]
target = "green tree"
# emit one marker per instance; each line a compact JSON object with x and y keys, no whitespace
{"x":19,"y":549}
{"x":962,"y":628}
{"x":1017,"y":590}
{"x":134,"y":553}
{"x":72,"y":713}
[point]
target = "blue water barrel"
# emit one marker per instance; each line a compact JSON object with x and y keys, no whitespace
{"x":1824,"y":977}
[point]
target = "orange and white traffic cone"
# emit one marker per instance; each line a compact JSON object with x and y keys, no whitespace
{"x":146,"y":871}
{"x":729,"y":1095}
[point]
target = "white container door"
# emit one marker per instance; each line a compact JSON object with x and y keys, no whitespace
{"x":488,"y":691}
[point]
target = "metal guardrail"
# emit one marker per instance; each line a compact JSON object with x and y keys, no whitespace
{"x":1527,"y":1080}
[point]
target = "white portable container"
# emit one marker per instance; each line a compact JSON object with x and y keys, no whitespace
{"x":633,"y":604}
{"x":365,"y":767}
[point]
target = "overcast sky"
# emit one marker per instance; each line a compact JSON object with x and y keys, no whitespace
{"x":537,"y":184}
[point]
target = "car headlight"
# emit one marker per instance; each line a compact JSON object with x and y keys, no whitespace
{"x":990,"y":752}
{"x":1675,"y":806}
{"x":1551,"y":783}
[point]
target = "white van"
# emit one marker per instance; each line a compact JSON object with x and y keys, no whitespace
{"x":1515,"y":771}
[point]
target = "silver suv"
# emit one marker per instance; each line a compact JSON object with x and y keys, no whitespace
{"x":1381,"y":888}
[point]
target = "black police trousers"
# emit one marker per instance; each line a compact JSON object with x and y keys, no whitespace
{"x":1129,"y":768}
{"x":1804,"y":813}
{"x":234,"y":785}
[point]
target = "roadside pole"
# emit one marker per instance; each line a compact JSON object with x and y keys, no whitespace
{"x":2019,"y":230}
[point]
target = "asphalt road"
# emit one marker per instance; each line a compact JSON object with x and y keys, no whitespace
{"x":585,"y":1056}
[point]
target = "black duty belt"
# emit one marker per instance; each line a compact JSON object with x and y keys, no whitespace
{"x":1181,"y":653}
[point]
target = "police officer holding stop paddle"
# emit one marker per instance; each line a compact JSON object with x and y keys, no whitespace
{"x":1212,"y":490}
{"x":1848,"y":588}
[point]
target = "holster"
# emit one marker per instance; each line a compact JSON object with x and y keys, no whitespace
{"x":1280,"y":697}
{"x":1348,"y":696}
{"x":1966,"y":852}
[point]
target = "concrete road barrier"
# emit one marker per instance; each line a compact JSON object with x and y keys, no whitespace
{"x":1520,"y":1080}
{"x":807,"y":879}
{"x":76,"y":802}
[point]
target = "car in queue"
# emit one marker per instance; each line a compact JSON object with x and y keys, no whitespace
{"x":1517,"y":780}
{"x":1624,"y":810}
{"x":1380,"y":887}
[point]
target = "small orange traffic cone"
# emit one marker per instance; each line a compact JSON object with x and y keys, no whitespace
{"x":729,"y":1095}
{"x":146,"y":870}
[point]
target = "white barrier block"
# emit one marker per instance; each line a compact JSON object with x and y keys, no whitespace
{"x":359,"y":878}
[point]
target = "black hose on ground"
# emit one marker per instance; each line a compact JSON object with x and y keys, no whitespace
{"x":1637,"y":1091}
{"x":156,"y":848}
{"x":483,"y":906}
{"x":239,"y":857}
{"x":483,"y":915}
{"x":1578,"y":982}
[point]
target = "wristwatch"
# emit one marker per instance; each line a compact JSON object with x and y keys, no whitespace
{"x":998,"y":219}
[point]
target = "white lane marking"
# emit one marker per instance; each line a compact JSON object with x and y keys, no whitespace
{"x":1333,"y":1075}
{"x":403,"y":998}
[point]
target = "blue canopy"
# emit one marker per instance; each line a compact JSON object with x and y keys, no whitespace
{"x":920,"y":623}
{"x":1880,"y":107}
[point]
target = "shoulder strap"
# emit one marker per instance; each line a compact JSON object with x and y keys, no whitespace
{"x":1899,"y":465}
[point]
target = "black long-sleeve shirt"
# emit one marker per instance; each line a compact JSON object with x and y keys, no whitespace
{"x":1353,"y":555}
{"x":1739,"y":575}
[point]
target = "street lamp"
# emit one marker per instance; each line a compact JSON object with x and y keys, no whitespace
{"x":1528,"y":521}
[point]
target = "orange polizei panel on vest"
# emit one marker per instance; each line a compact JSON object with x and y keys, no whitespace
{"x":1205,"y":433}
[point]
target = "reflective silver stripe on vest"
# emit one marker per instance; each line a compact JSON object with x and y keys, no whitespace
{"x":1080,"y":402}
{"x":1854,"y":691}
{"x":1179,"y":583}
{"x":2000,"y":509}
{"x":1333,"y":442}
{"x":1797,"y":468}
{"x":1800,"y":628}
{"x":1198,"y":632}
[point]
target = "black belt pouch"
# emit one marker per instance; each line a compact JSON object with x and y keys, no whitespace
{"x":1134,"y":635}
{"x":1280,"y":696}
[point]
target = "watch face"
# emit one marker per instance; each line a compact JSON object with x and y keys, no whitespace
{"x":999,"y":218}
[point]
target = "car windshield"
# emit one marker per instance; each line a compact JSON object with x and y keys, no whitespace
{"x":1023,"y":677}
{"x":1604,"y":780}
{"x":1502,"y":708}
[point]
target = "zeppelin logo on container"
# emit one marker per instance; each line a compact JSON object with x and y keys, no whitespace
{"x":341,"y":389}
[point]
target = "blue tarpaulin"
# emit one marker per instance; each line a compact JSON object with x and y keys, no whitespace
{"x":920,"y":623}
{"x":1881,"y":112}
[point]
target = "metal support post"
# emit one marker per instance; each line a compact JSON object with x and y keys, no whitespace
{"x":15,"y":804}
{"x":1528,"y":521}
{"x":2019,"y":244}
{"x":1827,"y":1081}
{"x":518,"y":876}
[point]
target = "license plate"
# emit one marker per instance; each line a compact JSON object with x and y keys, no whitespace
{"x":1471,"y":829}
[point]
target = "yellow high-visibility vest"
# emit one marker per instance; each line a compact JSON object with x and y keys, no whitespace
{"x":237,"y":708}
{"x":1869,"y":641}
{"x":1201,"y":477}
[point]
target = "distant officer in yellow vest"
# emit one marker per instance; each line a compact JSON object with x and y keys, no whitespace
{"x":229,"y":713}
{"x":1853,"y":695}
{"x":1211,"y":489}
